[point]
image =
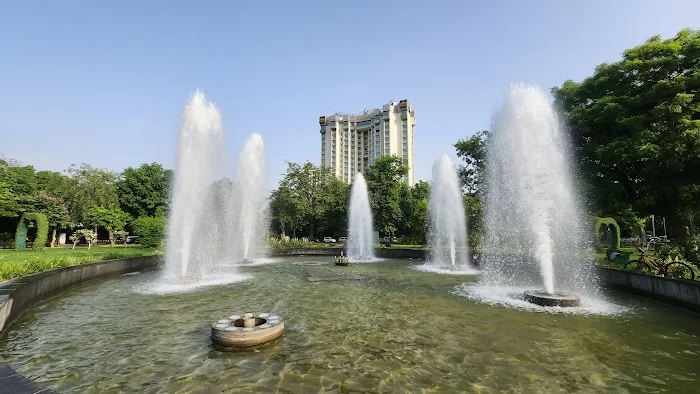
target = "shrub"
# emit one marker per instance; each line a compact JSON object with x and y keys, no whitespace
{"x":287,"y":242}
{"x":151,"y":230}
{"x":600,"y":222}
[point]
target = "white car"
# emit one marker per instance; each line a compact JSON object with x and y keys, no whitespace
{"x":343,"y":239}
{"x":329,"y":240}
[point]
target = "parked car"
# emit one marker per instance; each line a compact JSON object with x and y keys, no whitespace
{"x":343,"y":239}
{"x":329,"y":240}
{"x":133,"y":239}
{"x":388,"y":240}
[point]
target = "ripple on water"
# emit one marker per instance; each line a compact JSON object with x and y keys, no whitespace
{"x":164,"y":286}
{"x":511,"y":296}
{"x":445,"y":270}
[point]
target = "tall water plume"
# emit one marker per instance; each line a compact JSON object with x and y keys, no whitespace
{"x":447,"y":238}
{"x":249,"y":199}
{"x":194,"y":195}
{"x":533,"y":221}
{"x":360,"y":235}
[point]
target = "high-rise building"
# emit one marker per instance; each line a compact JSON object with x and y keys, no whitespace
{"x":351,"y":143}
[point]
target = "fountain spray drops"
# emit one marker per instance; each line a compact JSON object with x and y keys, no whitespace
{"x":360,"y":237}
{"x":250,"y":198}
{"x":532,"y":213}
{"x":198,"y":167}
{"x":447,"y":238}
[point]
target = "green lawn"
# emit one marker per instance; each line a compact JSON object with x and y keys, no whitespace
{"x":16,"y":263}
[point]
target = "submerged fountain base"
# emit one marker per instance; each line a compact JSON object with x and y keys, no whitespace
{"x":541,"y":297}
{"x":247,"y":330}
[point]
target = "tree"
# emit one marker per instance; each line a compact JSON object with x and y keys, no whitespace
{"x":9,"y":206}
{"x":636,"y":129}
{"x":473,"y":208}
{"x":336,"y":200}
{"x":384,"y":180}
{"x":89,"y":188}
{"x":111,"y":219}
{"x":143,"y":190}
{"x":283,"y":210}
{"x":414,"y":207}
{"x":21,"y":179}
{"x":308,"y":188}
{"x":55,"y":210}
{"x":473,"y":151}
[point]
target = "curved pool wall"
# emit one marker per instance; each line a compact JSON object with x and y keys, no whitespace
{"x":19,"y":294}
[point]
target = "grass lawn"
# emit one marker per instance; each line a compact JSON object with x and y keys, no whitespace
{"x":16,"y":263}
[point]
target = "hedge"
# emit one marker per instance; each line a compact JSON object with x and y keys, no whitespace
{"x":616,"y":234}
{"x":151,"y":231}
{"x":42,"y":230}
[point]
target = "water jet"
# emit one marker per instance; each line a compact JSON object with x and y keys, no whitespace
{"x":360,"y":236}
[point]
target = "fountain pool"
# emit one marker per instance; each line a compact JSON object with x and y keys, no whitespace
{"x":395,"y":330}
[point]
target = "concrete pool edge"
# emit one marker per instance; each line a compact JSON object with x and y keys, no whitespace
{"x":678,"y":292}
{"x":19,"y":294}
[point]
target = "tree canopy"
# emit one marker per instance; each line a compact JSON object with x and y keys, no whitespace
{"x":636,"y":129}
{"x":143,"y":190}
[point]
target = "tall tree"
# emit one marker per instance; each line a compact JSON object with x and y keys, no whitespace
{"x":473,"y":151}
{"x":90,"y":188}
{"x":636,"y":129}
{"x":384,"y":179}
{"x":143,"y":190}
{"x":308,"y":187}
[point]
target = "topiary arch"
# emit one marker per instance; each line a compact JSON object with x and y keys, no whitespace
{"x":42,"y":230}
{"x":616,"y":234}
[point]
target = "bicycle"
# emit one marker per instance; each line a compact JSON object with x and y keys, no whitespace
{"x":655,"y":266}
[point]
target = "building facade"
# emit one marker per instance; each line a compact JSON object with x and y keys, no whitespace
{"x":351,"y":143}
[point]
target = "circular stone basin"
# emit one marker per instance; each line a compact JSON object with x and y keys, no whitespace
{"x":231,"y":333}
{"x":342,"y":264}
{"x":541,"y":297}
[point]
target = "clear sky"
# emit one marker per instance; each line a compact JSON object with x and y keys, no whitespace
{"x":105,"y":82}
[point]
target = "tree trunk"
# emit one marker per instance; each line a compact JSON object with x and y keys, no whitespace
{"x":111,"y":237}
{"x":89,"y":244}
{"x":74,"y":245}
{"x":675,"y":226}
{"x":53,"y":238}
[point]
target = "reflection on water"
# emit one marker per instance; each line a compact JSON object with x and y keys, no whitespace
{"x":398,"y":330}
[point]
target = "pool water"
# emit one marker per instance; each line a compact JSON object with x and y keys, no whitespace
{"x":389,"y":329}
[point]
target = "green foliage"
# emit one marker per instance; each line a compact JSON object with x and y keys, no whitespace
{"x":15,"y":263}
{"x":42,"y":230}
{"x":287,"y":242}
{"x":144,"y":190}
{"x":112,"y":220}
{"x":414,"y":207}
{"x":309,"y":198}
{"x":473,"y":151}
{"x":473,"y":206}
{"x":9,"y":206}
{"x":90,"y":187}
{"x":606,"y":222}
{"x":384,"y":182}
{"x":151,"y":231}
{"x":636,"y":129}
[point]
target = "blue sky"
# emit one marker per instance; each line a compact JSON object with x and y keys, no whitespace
{"x":105,"y":83}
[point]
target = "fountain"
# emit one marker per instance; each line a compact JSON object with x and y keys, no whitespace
{"x":533,"y":223}
{"x":447,"y":239}
{"x":198,"y":168}
{"x":250,"y":199}
{"x":360,"y":238}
